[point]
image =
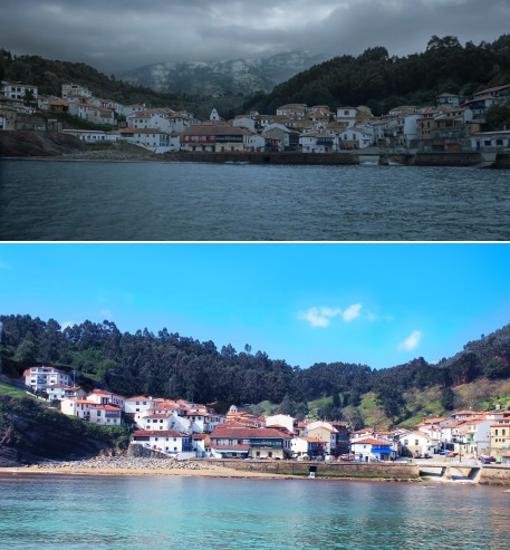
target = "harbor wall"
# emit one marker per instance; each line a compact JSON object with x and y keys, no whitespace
{"x":494,"y":474}
{"x":347,"y":470}
{"x":264,"y":158}
{"x":502,"y":160}
{"x":447,"y":159}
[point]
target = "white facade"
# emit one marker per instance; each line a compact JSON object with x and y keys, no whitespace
{"x":284,"y":420}
{"x":152,"y":139}
{"x":138,"y":404}
{"x":318,"y":142}
{"x":105,"y":415}
{"x":75,"y":91}
{"x":299,"y":446}
{"x":17,"y":90}
{"x":346,"y":115}
{"x":166,"y":441}
{"x":254,"y":142}
{"x":102,"y":397}
{"x":244,"y":122}
{"x":418,"y":444}
{"x":354,"y":136}
{"x":60,"y":391}
{"x":93,"y":136}
{"x":39,"y":378}
{"x":491,"y":140}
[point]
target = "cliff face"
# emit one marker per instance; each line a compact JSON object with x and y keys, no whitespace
{"x":26,"y":143}
{"x":30,"y":433}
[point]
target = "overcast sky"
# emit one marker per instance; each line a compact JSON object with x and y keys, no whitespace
{"x":115,"y":35}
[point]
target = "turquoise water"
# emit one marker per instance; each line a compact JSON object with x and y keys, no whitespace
{"x":162,"y":512}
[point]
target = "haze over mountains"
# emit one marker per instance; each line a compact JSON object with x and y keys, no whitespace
{"x":240,"y":76}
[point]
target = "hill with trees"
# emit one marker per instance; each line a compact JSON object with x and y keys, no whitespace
{"x":383,"y":82}
{"x":174,"y":366}
{"x":49,"y":75}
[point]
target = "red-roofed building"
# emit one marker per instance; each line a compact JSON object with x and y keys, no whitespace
{"x":228,"y":441}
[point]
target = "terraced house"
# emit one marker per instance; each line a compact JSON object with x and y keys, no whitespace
{"x":237,"y":441}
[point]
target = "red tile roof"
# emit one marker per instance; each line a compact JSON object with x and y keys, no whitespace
{"x":241,"y":432}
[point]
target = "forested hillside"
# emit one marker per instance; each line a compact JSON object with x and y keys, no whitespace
{"x":382,"y":82}
{"x":170,"y":365}
{"x":49,"y":75}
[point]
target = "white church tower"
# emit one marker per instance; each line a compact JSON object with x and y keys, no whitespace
{"x":214,"y":116}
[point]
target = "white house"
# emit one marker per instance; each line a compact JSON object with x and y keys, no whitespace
{"x":58,"y":392}
{"x":93,"y":136}
{"x":245,"y":121}
{"x":39,"y":378}
{"x":107,"y":415}
{"x":355,"y":137}
{"x":282,"y":420}
{"x":17,"y":90}
{"x":299,"y":446}
{"x":103,"y":397}
{"x":499,"y":140}
{"x":152,"y":139}
{"x":254,"y":142}
{"x":73,"y":91}
{"x":418,"y":444}
{"x":200,"y":445}
{"x":292,"y":110}
{"x":371,"y":449}
{"x":91,"y":113}
{"x":346,"y":115}
{"x":138,"y":404}
{"x":165,"y":441}
{"x":318,"y":141}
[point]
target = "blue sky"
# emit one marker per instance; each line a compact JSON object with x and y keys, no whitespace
{"x":377,"y":304}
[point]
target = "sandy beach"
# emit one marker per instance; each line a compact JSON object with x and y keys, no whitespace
{"x":120,"y":466}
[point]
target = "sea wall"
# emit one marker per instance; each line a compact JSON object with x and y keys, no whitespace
{"x":494,"y":474}
{"x":347,"y":470}
{"x":264,"y":158}
{"x":502,"y":160}
{"x":447,"y":159}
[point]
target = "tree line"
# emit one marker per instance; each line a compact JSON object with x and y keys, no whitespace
{"x":174,"y":366}
{"x":382,"y":82}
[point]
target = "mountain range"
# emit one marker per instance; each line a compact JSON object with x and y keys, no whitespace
{"x":222,"y":78}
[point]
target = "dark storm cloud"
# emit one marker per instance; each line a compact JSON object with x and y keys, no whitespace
{"x":120,"y":34}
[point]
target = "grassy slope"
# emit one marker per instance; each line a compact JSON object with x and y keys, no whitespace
{"x":12,"y":391}
{"x":481,"y":395}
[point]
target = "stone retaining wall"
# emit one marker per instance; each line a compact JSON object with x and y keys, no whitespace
{"x":401,"y":472}
{"x":264,"y":158}
{"x":495,"y":475}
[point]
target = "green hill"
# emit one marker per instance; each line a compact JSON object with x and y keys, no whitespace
{"x":383,"y":82}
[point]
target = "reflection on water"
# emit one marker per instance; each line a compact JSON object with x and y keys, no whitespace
{"x":171,"y":201}
{"x":84,"y":512}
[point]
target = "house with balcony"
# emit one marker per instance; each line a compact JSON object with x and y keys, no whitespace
{"x":58,"y":392}
{"x":236,"y":441}
{"x":371,"y":449}
{"x":318,"y":141}
{"x":41,"y":377}
{"x":212,"y":138}
{"x":18,"y":90}
{"x":165,"y":441}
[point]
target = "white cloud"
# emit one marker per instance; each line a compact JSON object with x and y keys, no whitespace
{"x":321,"y":316}
{"x":351,"y":313}
{"x":411,"y":342}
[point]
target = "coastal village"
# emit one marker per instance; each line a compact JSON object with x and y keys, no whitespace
{"x":453,"y":125}
{"x":184,"y":430}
